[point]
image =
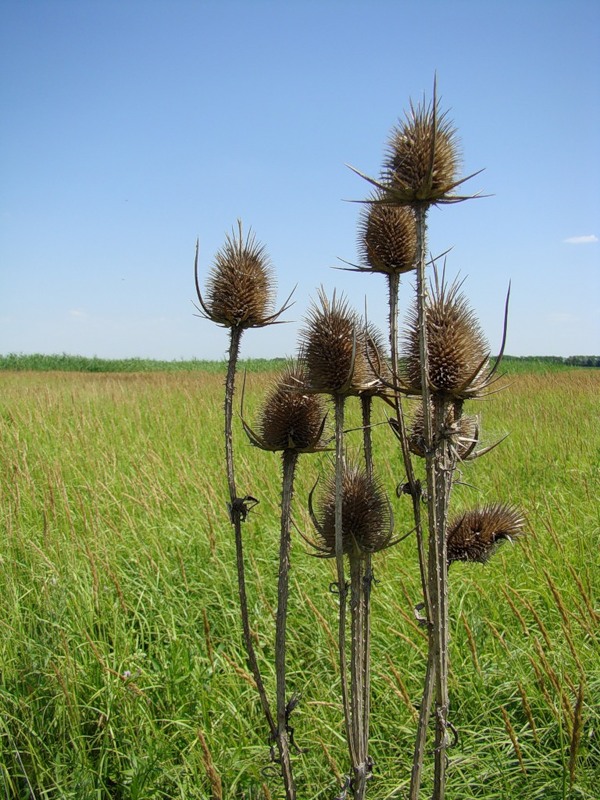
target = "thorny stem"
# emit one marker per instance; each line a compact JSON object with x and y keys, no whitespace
{"x":435,"y":570}
{"x":415,"y":493}
{"x":236,"y":518}
{"x":339,"y":401}
{"x":439,"y":465}
{"x":290,"y":459}
{"x":358,"y":662}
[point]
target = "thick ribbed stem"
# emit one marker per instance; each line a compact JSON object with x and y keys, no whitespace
{"x":290,"y":459}
{"x":237,"y":511}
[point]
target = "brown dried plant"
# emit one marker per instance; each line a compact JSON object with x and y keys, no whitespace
{"x":240,"y":295}
{"x":476,"y":534}
{"x":290,"y":422}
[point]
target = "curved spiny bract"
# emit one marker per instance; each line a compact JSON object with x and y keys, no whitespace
{"x":387,"y":239}
{"x":367,"y":522}
{"x":456,"y":347}
{"x":461,"y":432}
{"x":290,"y":419}
{"x":330,"y":351}
{"x":476,"y":534}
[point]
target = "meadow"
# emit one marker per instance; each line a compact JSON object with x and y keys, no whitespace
{"x":122,"y":670}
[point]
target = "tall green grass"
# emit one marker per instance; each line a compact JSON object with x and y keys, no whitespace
{"x":74,"y":363}
{"x":122,"y":669}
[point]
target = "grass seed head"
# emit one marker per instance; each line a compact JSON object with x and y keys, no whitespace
{"x":366,"y":515}
{"x":456,"y":347}
{"x":476,"y":534}
{"x":387,"y":238}
{"x":291,"y":419}
{"x":240,"y":285}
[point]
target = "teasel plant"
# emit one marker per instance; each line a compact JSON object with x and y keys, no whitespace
{"x":337,"y":352}
{"x":291,"y":422}
{"x":239,"y":295}
{"x":446,"y":362}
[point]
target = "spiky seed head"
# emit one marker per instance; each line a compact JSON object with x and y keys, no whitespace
{"x":378,"y":370}
{"x":291,"y":419}
{"x":423,"y":156}
{"x":366,"y":515}
{"x":387,"y":238}
{"x":462,"y":433}
{"x":330,"y":349}
{"x":240,"y":285}
{"x":456,"y":346}
{"x":476,"y":534}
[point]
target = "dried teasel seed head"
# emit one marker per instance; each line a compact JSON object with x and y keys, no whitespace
{"x":366,"y":515}
{"x":378,"y":370}
{"x":330,"y":350}
{"x":456,"y":347}
{"x":240,"y":285}
{"x":463,"y":434}
{"x":289,"y":418}
{"x":476,"y":534}
{"x":423,"y":157}
{"x":387,"y":238}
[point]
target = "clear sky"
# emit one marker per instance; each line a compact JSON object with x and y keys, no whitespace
{"x":131,"y":127}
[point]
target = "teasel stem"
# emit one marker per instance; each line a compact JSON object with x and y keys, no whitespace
{"x":361,"y":578}
{"x":359,"y":667}
{"x":236,"y":511}
{"x":435,"y":574}
{"x":413,"y":485}
{"x":339,"y":401}
{"x":290,"y":459}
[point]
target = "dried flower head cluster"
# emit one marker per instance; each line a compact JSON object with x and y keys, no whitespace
{"x":289,"y":418}
{"x":240,"y":286}
{"x":387,"y":239}
{"x":367,"y":522}
{"x":330,"y":349}
{"x":423,"y":157}
{"x":476,"y":534}
{"x":461,"y":432}
{"x":456,"y":347}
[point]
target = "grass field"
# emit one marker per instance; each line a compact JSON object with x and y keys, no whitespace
{"x":122,"y":670}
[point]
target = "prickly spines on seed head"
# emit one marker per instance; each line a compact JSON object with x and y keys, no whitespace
{"x":423,"y":156}
{"x":387,"y":239}
{"x":290,"y":419}
{"x":330,"y":350}
{"x":240,"y":286}
{"x":462,"y":433}
{"x":366,"y":516}
{"x":476,"y":534}
{"x":456,"y":347}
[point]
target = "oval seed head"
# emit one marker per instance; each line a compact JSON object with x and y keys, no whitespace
{"x":291,"y":419}
{"x":366,"y":516}
{"x":476,"y":534}
{"x":463,"y":434}
{"x":387,"y":238}
{"x":423,"y":157}
{"x":330,"y":350}
{"x":240,"y":285}
{"x":456,"y":347}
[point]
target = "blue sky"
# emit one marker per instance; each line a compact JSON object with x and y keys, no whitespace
{"x":130,"y":128}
